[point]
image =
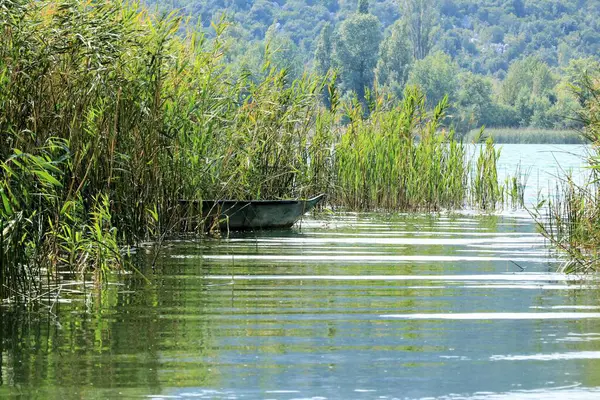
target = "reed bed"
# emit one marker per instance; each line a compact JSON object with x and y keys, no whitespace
{"x":570,"y":219}
{"x":514,"y":188}
{"x":110,"y":116}
{"x":531,"y":136}
{"x":487,"y":191}
{"x":400,"y":159}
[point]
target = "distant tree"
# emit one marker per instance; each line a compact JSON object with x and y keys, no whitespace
{"x":282,"y":52}
{"x":323,"y":54}
{"x":529,"y":87}
{"x":528,"y":75}
{"x":496,"y":34}
{"x":332,"y":5}
{"x":565,"y":54}
{"x":395,"y":59}
{"x":437,"y":75}
{"x":449,"y":7}
{"x":387,"y":11}
{"x":450,"y":43}
{"x":519,"y":8}
{"x":324,"y":50}
{"x":420,"y":18}
{"x":484,"y":37}
{"x":356,"y":52}
{"x":578,"y":69}
{"x":577,"y":76}
{"x":262,"y":12}
{"x":474,"y":101}
{"x":363,"y":6}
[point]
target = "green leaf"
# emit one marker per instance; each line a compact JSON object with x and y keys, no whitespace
{"x":5,"y":201}
{"x":45,"y":177}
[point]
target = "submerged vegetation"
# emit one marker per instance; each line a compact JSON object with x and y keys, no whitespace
{"x":110,"y":115}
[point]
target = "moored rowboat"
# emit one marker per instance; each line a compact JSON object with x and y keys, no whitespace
{"x":236,"y":215}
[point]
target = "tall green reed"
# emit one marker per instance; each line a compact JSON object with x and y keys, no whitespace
{"x":400,"y":158}
{"x":487,"y":191}
{"x":111,"y":115}
{"x":570,"y":218}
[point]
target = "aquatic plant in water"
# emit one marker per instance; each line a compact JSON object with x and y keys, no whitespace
{"x":111,"y":115}
{"x":570,"y":219}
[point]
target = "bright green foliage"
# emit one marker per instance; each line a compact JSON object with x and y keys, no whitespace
{"x":579,"y":71}
{"x":29,"y":187}
{"x":395,"y":59}
{"x":576,"y":75}
{"x":487,"y":191}
{"x":401,"y":159}
{"x":420,"y":19}
{"x":356,"y":51}
{"x":262,"y":152}
{"x":528,"y":88}
{"x":474,"y":103}
{"x":111,"y":116}
{"x":514,"y":188}
{"x":437,"y":76}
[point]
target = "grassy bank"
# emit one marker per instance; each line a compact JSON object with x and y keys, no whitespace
{"x":110,"y":116}
{"x":531,"y":136}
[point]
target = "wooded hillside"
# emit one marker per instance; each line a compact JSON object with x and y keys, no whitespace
{"x":484,"y":36}
{"x":501,"y":62}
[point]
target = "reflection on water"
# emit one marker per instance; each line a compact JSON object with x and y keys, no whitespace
{"x":489,"y":316}
{"x":356,"y":307}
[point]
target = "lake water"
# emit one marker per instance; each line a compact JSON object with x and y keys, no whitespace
{"x":543,"y":165}
{"x":351,"y":306}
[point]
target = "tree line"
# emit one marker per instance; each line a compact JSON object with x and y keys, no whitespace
{"x":501,"y":63}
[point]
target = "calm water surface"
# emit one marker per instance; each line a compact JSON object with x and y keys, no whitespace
{"x":542,"y":165}
{"x":346,"y":307}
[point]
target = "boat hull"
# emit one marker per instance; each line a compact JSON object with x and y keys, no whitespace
{"x":235,"y":215}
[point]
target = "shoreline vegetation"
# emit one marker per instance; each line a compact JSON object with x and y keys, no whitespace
{"x":570,"y":219}
{"x":530,"y":136}
{"x":111,"y":115}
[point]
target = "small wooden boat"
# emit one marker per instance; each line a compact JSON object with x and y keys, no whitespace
{"x":237,"y":215}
